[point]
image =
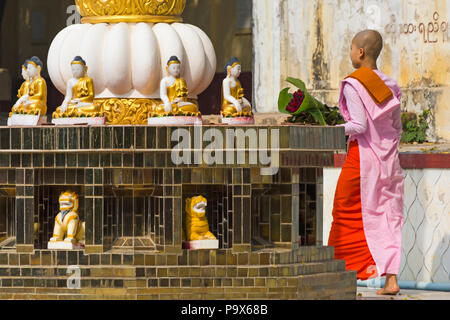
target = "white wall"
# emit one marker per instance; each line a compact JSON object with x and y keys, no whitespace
{"x":311,"y":40}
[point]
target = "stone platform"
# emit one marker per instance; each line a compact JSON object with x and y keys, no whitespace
{"x":306,"y":273}
{"x":132,"y":192}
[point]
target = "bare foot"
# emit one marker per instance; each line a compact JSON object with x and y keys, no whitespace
{"x":388,"y":292}
{"x":391,"y":287}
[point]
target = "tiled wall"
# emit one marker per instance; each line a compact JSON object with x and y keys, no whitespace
{"x":129,"y":186}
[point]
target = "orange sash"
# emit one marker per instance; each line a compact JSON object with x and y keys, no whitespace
{"x":376,"y":87}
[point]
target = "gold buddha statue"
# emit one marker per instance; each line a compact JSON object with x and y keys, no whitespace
{"x":234,"y":103}
{"x":174,"y":94}
{"x":80,"y":94}
{"x":33,"y":92}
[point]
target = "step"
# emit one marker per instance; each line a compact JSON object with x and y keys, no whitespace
{"x":191,"y":258}
{"x":340,"y":285}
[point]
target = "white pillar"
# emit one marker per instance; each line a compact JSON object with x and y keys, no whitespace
{"x":267,"y":34}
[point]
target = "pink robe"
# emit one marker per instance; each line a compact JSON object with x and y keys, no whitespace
{"x":382,"y":180}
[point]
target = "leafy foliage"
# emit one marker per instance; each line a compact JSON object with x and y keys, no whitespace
{"x":311,"y":111}
{"x":415,"y":130}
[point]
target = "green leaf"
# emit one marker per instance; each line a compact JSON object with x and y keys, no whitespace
{"x":318,"y":116}
{"x":284,"y":99}
{"x":298,"y":83}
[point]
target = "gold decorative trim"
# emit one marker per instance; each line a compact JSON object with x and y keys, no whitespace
{"x":126,"y":111}
{"x":165,"y":10}
{"x":131,"y":19}
{"x":119,"y":111}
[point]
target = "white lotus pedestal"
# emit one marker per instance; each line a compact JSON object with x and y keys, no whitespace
{"x":61,"y":245}
{"x":26,"y":120}
{"x":99,"y":121}
{"x":201,"y":245}
{"x":174,"y":121}
{"x":238,"y":121}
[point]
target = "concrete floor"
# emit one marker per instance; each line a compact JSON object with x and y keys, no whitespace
{"x":371,"y":294}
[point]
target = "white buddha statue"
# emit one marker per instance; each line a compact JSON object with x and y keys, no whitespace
{"x":174,"y":93}
{"x":234,"y":104}
{"x":80,"y":94}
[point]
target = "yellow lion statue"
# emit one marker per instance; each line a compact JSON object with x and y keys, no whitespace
{"x":197,"y":227}
{"x":67,"y":222}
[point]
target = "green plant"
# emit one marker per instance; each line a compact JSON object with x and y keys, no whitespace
{"x":306,"y":109}
{"x":415,"y":130}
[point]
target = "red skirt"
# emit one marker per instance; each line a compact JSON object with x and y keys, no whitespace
{"x":347,"y":234}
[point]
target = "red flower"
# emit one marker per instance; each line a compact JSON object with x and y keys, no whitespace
{"x":296,"y":101}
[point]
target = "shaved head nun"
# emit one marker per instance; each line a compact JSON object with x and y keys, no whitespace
{"x":371,"y":41}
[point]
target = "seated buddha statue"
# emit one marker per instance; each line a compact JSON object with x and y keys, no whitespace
{"x":234,"y":103}
{"x":33,"y":92}
{"x":174,"y":93}
{"x":80,"y":94}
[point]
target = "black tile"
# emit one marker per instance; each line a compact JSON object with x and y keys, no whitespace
{"x":26,"y":160}
{"x":27,"y":138}
{"x":37,"y":139}
{"x":4,"y":160}
{"x":128,"y":160}
{"x":106,"y":137}
{"x":61,"y":138}
{"x":139,"y":160}
{"x":83,"y":160}
{"x":60,"y":160}
{"x":73,"y":138}
{"x":95,"y":135}
{"x":16,"y":138}
{"x":15,"y":160}
{"x":140,"y":138}
{"x":94,"y":259}
{"x":127,"y":259}
{"x":72,"y":258}
{"x":61,"y":258}
{"x":105,"y":160}
{"x":116,"y":160}
{"x":128,"y":137}
{"x":151,"y":137}
{"x":5,"y":138}
{"x":117,"y":138}
{"x":84,"y":138}
{"x":94,"y":159}
{"x":49,"y":160}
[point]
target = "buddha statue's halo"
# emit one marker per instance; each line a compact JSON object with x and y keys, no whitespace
{"x":100,"y":11}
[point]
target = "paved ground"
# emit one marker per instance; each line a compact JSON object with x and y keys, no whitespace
{"x":371,"y":294}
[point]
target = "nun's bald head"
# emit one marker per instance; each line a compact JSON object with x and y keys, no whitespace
{"x":371,"y":41}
